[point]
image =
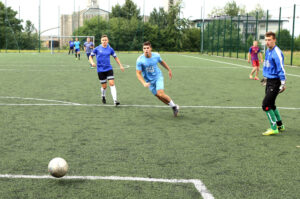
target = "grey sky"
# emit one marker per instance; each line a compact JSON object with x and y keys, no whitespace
{"x":191,"y":10}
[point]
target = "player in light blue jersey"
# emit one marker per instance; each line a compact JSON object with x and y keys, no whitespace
{"x":77,"y":48}
{"x":88,"y":48}
{"x":104,"y":68}
{"x":149,"y":74}
{"x":274,"y":74}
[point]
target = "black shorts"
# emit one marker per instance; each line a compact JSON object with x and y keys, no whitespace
{"x":271,"y":92}
{"x":107,"y":75}
{"x":71,"y":48}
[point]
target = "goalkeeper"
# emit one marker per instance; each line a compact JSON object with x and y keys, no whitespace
{"x":274,"y":73}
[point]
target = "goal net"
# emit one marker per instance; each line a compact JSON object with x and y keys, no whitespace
{"x":58,"y":44}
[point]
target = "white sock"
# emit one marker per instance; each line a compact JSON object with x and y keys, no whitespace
{"x":113,"y":91}
{"x":172,"y":104}
{"x":103,"y":92}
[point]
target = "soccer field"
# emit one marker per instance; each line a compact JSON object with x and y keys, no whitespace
{"x":50,"y":106}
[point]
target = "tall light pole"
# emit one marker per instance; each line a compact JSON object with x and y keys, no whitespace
{"x":39,"y":26}
{"x":202,"y":27}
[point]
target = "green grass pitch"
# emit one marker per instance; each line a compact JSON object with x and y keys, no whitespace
{"x":50,"y":107}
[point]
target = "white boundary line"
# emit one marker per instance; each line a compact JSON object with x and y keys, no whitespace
{"x":126,"y":66}
{"x":201,"y":188}
{"x":37,"y":99}
{"x":239,"y":65}
{"x":147,"y":106}
{"x":65,"y":103}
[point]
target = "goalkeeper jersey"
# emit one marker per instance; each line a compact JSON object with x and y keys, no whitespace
{"x":273,"y":64}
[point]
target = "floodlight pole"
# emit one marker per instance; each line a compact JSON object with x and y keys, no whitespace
{"x":202,"y":27}
{"x":39,"y":26}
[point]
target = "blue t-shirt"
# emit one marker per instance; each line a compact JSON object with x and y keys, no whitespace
{"x":149,"y":67}
{"x":71,"y":43}
{"x":77,"y":44}
{"x":103,"y":57}
{"x":88,"y":46}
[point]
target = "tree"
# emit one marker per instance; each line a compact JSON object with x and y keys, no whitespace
{"x":10,"y":27}
{"x":261,"y":12}
{"x":158,"y":17}
{"x":230,"y":9}
{"x":285,"y":39}
{"x":128,"y":10}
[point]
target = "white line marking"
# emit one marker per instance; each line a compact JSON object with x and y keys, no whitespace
{"x":37,"y":99}
{"x":54,"y":70}
{"x":147,"y":106}
{"x":221,"y":62}
{"x":201,"y":188}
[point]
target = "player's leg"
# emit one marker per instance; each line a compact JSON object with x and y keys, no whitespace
{"x":103,"y":81}
{"x":113,"y":90}
{"x":78,"y":54}
{"x":252,"y":71}
{"x":268,"y":105}
{"x":75,"y":53}
{"x":162,"y":96}
{"x":256,"y":70}
{"x":69,"y":51}
{"x":88,"y":56}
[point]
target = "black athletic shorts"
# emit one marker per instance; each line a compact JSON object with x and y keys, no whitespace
{"x":104,"y":76}
{"x":271,"y":92}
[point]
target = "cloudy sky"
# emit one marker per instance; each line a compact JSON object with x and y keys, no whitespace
{"x":50,"y":10}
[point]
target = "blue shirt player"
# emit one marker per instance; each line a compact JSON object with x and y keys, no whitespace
{"x":104,"y":68}
{"x":77,"y":48}
{"x":88,"y":48}
{"x":274,"y":74}
{"x":71,"y":45}
{"x":149,"y":74}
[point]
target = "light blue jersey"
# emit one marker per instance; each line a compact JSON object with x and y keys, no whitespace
{"x":149,"y":67}
{"x":273,"y":64}
{"x":77,"y":44}
{"x":151,"y":71}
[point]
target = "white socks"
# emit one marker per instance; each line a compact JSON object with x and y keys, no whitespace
{"x":171,"y":103}
{"x":103,"y":92}
{"x":113,"y":91}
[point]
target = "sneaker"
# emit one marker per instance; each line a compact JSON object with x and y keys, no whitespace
{"x":103,"y":100}
{"x":271,"y":132}
{"x":281,"y":128}
{"x":250,"y":77}
{"x":175,"y":110}
{"x":256,"y":78}
{"x":117,"y":103}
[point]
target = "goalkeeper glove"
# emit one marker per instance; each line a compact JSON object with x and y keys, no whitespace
{"x":282,"y":87}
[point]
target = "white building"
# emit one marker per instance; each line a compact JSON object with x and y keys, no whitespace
{"x":69,"y":23}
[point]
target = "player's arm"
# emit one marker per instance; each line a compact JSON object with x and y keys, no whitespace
{"x":249,"y":55}
{"x":141,"y":79}
{"x":92,"y":61}
{"x":165,"y":65}
{"x":280,"y":71}
{"x":120,"y":64}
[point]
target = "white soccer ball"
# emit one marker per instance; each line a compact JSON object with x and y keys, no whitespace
{"x":58,"y":167}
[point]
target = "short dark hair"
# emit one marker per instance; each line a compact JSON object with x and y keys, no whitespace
{"x":271,"y":34}
{"x":104,"y":36}
{"x":147,"y":43}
